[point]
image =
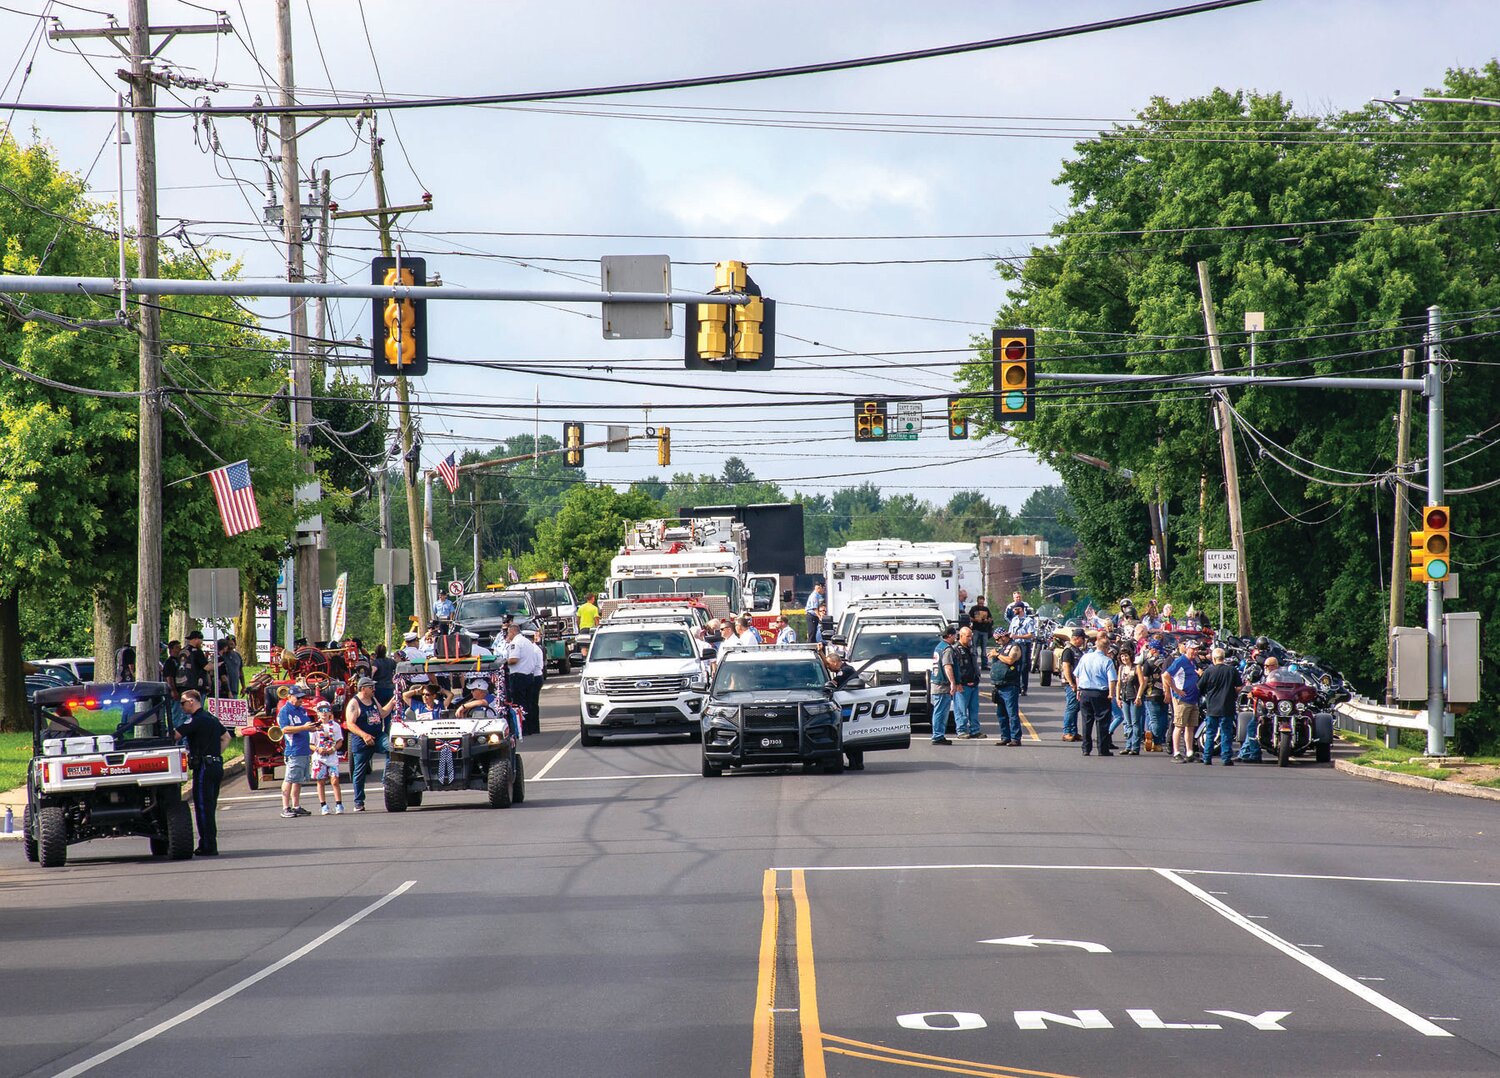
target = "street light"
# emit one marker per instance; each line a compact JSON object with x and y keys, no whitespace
{"x":1401,"y":100}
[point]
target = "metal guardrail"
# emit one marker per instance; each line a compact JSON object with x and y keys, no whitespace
{"x":1365,"y":717}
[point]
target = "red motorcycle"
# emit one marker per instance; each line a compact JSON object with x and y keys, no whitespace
{"x":1288,"y":718}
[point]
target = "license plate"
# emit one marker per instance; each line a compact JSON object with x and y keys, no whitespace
{"x":644,"y":720}
{"x":770,"y":743}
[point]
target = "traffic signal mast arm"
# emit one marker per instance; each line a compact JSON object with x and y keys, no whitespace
{"x":479,"y":465}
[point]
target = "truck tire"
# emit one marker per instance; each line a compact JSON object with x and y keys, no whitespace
{"x":394,"y":782}
{"x":833,"y":766}
{"x":28,"y":838}
{"x":1323,"y":751}
{"x":414,"y":798}
{"x":1284,"y":749}
{"x":179,"y":832}
{"x":252,"y":776}
{"x":158,"y":847}
{"x":1046,"y":678}
{"x":518,"y":789}
{"x":711,"y":771}
{"x":52,"y":837}
{"x":564,"y":665}
{"x":498,"y":783}
{"x":586,"y":739}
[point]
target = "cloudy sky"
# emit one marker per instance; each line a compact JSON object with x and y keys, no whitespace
{"x":954,"y":166}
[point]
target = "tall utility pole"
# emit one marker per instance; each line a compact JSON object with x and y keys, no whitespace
{"x":383,"y":216}
{"x":309,"y":584}
{"x":143,"y":79}
{"x":1231,"y":461}
{"x":1437,"y":743}
{"x":320,"y":304}
{"x":1399,"y":531}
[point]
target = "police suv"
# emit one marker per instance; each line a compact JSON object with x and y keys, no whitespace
{"x":778,"y":704}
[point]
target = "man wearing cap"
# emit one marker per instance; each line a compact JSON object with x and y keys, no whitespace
{"x":206,"y":740}
{"x":296,"y":747}
{"x":478,"y":687}
{"x":193,"y":668}
{"x":1070,"y":659}
{"x":843,"y":676}
{"x":1181,"y":682}
{"x":944,"y":684}
{"x":1005,"y":676}
{"x":365,"y":719}
{"x":411,"y":650}
{"x":1022,"y":625}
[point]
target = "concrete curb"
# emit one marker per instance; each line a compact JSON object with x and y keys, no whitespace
{"x":231,"y":769}
{"x":1417,"y":782}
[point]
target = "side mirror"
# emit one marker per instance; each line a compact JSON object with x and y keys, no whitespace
{"x":786,"y":597}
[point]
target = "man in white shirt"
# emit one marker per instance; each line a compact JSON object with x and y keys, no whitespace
{"x":785,"y":634}
{"x":524,"y":660}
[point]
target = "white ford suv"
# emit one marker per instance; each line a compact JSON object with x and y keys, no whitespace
{"x":643,"y":678}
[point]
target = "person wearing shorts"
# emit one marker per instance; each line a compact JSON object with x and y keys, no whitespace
{"x":296,"y":750}
{"x":325,"y":757}
{"x":1181,"y":681}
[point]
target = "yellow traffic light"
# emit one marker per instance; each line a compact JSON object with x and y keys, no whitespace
{"x":713,"y":330}
{"x":1014,"y":374}
{"x":749,"y":341}
{"x":869,"y":421}
{"x":400,"y":325}
{"x":1431,"y":548}
{"x":573,"y":445}
{"x":724,"y":337}
{"x":958,"y":422}
{"x":663,"y":446}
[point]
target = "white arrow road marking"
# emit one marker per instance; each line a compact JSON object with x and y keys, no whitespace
{"x":1029,"y":940}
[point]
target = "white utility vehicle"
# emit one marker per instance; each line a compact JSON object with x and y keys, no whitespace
{"x":643,"y":677}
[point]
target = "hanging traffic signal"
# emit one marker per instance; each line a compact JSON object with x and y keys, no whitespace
{"x":869,"y":421}
{"x":958,"y":423}
{"x":399,"y":332}
{"x":733,"y":338}
{"x":1431,"y":548}
{"x":573,"y":445}
{"x":1015,"y":374}
{"x":663,"y":446}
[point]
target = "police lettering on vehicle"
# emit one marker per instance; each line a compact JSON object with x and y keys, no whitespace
{"x":877,"y":709}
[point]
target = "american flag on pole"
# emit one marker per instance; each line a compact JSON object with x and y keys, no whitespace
{"x":510,"y":571}
{"x":565,"y":570}
{"x":236,"y":497}
{"x":447,"y":470}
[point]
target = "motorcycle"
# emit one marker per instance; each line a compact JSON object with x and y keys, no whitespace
{"x":1288,"y":716}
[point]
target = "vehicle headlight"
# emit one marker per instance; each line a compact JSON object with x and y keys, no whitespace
{"x":398,"y":742}
{"x":1326,"y":680}
{"x":591,"y":684}
{"x":719,"y":714}
{"x":493,"y":739}
{"x":698,"y":684}
{"x":1285,"y":707}
{"x":821,"y":712}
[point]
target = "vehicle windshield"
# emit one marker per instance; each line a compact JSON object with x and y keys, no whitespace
{"x":60,"y":674}
{"x":484,"y":607}
{"x":654,"y":643}
{"x":777,"y":676}
{"x":1283,"y":676}
{"x":762,"y":593}
{"x":726,"y":586}
{"x":907,"y":642}
{"x":553,"y":595}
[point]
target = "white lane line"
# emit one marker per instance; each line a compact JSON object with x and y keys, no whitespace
{"x":1137,"y":868}
{"x":233,"y":990}
{"x":1338,"y":879}
{"x":550,"y":764}
{"x":1317,"y":965}
{"x":620,"y":778}
{"x":936,"y":868}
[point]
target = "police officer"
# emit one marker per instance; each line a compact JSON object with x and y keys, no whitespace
{"x":843,"y":677}
{"x":523,"y":660}
{"x":206,"y":741}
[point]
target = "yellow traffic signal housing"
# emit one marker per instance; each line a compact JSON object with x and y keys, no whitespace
{"x":399,"y":332}
{"x":869,"y":421}
{"x":663,"y":446}
{"x":573,"y":445}
{"x":1431,"y":548}
{"x":958,"y":423}
{"x":731,"y":338}
{"x":1013,"y":359}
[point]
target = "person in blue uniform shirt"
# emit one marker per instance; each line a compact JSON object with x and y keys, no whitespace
{"x":206,"y":739}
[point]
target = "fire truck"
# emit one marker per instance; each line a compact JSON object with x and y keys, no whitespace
{"x":703,"y":556}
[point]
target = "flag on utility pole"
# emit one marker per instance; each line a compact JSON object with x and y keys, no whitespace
{"x":565,"y":571}
{"x":236,"y":497}
{"x":510,"y":571}
{"x":447,"y":470}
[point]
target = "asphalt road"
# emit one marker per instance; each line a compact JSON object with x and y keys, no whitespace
{"x":961,"y":910}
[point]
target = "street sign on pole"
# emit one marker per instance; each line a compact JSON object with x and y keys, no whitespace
{"x":636,"y":273}
{"x":1220,"y":566}
{"x":211,"y":593}
{"x":393,"y":566}
{"x":456,"y":588}
{"x":618,"y":438}
{"x":906,"y":424}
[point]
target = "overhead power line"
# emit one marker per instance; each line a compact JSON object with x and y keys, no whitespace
{"x":758,"y":75}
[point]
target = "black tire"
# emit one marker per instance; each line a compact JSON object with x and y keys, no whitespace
{"x":518,"y":788}
{"x":1323,"y":751}
{"x":52,"y":837}
{"x":833,"y":766}
{"x":28,"y":839}
{"x":414,"y":798}
{"x":179,"y":832}
{"x":499,"y":783}
{"x":712,"y":770}
{"x":586,"y":739}
{"x":1284,"y":749}
{"x":564,"y":665}
{"x":394,"y":782}
{"x":252,"y":776}
{"x":158,"y":847}
{"x":1046,"y":678}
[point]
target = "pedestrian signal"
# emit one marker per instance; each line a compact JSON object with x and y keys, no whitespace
{"x":573,"y":445}
{"x":399,"y":332}
{"x":1015,"y":374}
{"x":958,"y":423}
{"x":869,"y":421}
{"x":740,"y":337}
{"x":1431,"y":548}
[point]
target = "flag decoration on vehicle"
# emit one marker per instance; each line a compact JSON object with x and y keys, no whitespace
{"x":447,"y":470}
{"x":235,"y":495}
{"x":515,"y":577}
